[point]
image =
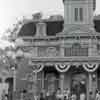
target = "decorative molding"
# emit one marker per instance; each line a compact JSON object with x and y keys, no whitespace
{"x":36,"y":67}
{"x":62,"y":67}
{"x":90,"y":67}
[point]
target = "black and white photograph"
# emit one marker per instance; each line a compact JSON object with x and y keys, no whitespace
{"x":49,"y":49}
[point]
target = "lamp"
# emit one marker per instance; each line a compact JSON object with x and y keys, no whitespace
{"x":94,"y":77}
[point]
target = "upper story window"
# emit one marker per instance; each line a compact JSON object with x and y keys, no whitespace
{"x":78,"y":14}
{"x":98,"y":46}
{"x":76,"y":50}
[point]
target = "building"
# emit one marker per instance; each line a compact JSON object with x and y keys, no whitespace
{"x":60,"y":53}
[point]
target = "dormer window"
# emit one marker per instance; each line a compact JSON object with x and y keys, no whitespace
{"x":41,"y":29}
{"x":78,"y":14}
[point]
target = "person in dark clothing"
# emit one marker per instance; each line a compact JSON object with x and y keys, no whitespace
{"x":91,"y":95}
{"x":54,"y":96}
{"x":42,"y":96}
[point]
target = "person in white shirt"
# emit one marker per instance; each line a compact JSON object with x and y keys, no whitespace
{"x":82,"y":96}
{"x":98,"y":95}
{"x":66,"y":94}
{"x":59,"y":95}
{"x":73,"y":97}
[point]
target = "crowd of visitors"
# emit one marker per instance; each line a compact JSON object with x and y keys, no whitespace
{"x":67,"y":95}
{"x":97,"y":94}
{"x":59,"y":95}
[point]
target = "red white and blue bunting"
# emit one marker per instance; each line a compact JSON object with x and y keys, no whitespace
{"x":90,"y":67}
{"x":62,"y":67}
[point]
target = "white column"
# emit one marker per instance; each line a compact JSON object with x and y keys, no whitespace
{"x":92,"y":51}
{"x":90,"y":48}
{"x":90,"y":82}
{"x":14,"y":80}
{"x":13,"y":69}
{"x":42,"y":79}
{"x":35,"y":96}
{"x":62,"y":49}
{"x":61,"y":81}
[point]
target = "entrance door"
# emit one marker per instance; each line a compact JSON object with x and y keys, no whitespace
{"x":51,"y":83}
{"x":78,"y":85}
{"x":9,"y":81}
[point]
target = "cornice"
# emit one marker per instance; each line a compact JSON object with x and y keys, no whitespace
{"x":66,"y":59}
{"x":62,"y":37}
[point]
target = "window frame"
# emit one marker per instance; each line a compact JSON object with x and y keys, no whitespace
{"x":78,"y":14}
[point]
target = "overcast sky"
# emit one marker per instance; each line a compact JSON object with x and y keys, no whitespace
{"x":12,"y":9}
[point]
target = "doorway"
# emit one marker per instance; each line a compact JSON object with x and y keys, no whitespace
{"x":79,"y":84}
{"x":51,"y":82}
{"x":9,"y":81}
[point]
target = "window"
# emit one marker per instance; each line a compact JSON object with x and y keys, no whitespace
{"x":81,"y":14}
{"x":78,"y":14}
{"x":76,"y":50}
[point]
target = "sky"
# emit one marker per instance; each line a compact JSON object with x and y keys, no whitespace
{"x":13,"y":10}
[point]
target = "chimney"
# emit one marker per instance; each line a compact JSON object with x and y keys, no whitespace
{"x":41,"y":29}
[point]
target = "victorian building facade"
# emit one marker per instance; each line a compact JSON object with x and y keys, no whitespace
{"x":60,"y":53}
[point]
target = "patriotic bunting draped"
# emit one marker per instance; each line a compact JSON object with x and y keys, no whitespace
{"x":62,"y":67}
{"x":37,"y":67}
{"x":90,"y":67}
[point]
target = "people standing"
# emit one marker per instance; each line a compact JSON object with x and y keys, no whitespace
{"x":98,"y":95}
{"x":66,"y":94}
{"x":59,"y":95}
{"x":82,"y":96}
{"x":73,"y":96}
{"x":47,"y":95}
{"x":42,"y":96}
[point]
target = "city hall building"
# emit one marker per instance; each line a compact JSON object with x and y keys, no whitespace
{"x":60,"y":53}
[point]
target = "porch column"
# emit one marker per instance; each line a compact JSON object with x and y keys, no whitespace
{"x":14,"y":78}
{"x":90,"y":82}
{"x":62,"y":81}
{"x":43,"y":79}
{"x":62,"y":49}
{"x":92,"y":48}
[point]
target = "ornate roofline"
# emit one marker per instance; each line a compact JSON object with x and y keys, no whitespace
{"x":61,"y":36}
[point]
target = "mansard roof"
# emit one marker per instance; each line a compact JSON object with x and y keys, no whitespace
{"x":53,"y":27}
{"x":28,"y":29}
{"x":97,"y":23}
